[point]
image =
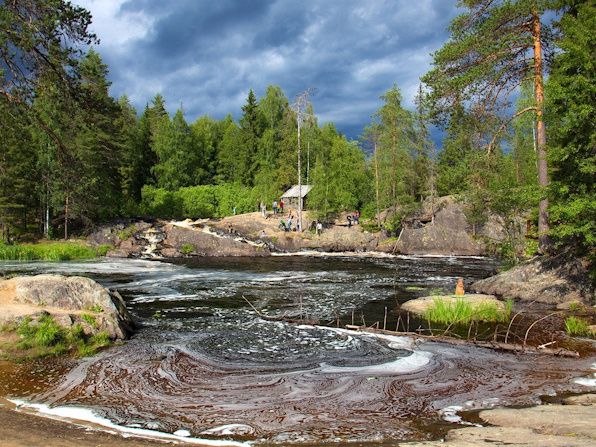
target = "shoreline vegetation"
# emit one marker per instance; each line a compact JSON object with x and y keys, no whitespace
{"x":51,"y":251}
{"x":30,"y":340}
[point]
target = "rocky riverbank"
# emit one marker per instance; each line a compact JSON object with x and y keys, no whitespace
{"x":549,"y":280}
{"x":445,"y":231}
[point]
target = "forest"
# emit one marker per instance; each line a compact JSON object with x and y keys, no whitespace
{"x":513,"y":90}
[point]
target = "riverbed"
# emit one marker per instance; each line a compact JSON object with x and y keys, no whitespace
{"x":205,"y":364}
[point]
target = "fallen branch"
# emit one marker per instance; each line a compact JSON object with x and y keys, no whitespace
{"x":284,"y":318}
{"x":498,"y":346}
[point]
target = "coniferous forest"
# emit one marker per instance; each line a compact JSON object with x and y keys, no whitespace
{"x":513,"y":92}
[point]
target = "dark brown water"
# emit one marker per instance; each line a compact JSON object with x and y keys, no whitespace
{"x":205,"y":362}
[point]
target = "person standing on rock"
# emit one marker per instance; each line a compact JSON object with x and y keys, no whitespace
{"x":263,"y":209}
{"x":275,"y":207}
{"x":281,"y":205}
{"x":319,"y":228}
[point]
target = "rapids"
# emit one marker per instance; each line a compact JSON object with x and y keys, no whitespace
{"x":205,"y":363}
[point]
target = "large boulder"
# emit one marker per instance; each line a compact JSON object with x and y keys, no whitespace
{"x":180,"y":240}
{"x":547,"y":280}
{"x":70,"y":300}
{"x":449,"y":234}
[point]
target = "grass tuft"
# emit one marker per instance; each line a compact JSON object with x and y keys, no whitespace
{"x":45,"y":338}
{"x":578,"y":327}
{"x":462,"y":312}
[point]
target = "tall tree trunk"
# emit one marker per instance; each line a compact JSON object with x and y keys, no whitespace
{"x":377,"y":186}
{"x":543,"y":182}
{"x":66,"y":219}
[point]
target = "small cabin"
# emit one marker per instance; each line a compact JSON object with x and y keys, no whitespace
{"x":292,"y":195}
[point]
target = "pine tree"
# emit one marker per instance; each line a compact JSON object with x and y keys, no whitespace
{"x":494,"y":46}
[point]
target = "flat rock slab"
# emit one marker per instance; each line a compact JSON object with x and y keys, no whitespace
{"x":420,"y":305}
{"x":562,"y":420}
{"x":570,"y":425}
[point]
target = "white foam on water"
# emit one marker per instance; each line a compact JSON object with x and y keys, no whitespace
{"x":587,"y":381}
{"x":370,"y":254}
{"x":414,"y":362}
{"x":87,"y":415}
{"x":449,"y":414}
{"x":229,"y":429}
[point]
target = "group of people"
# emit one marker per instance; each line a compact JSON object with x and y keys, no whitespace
{"x":286,"y":225}
{"x":278,"y":208}
{"x":353,"y":219}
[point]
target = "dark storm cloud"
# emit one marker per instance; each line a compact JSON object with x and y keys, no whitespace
{"x":208,"y":54}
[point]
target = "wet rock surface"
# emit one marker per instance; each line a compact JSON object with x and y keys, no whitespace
{"x":569,"y":425}
{"x":550,"y":280}
{"x":180,"y":241}
{"x":67,"y":299}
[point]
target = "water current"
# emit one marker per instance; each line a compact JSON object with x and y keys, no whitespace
{"x":204,"y":361}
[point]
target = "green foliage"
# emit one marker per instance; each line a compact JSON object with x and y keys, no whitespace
{"x":462,"y":312}
{"x":571,"y":93}
{"x":198,"y":201}
{"x":575,"y":326}
{"x":47,"y":251}
{"x":46,"y":338}
{"x":90,"y":320}
{"x":128,"y":232}
{"x":187,"y":249}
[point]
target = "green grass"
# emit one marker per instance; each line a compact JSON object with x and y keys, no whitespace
{"x":49,"y":251}
{"x":90,"y":320}
{"x":44,"y":338}
{"x":187,"y":249}
{"x":127,"y":232}
{"x":577,"y":327}
{"x":462,"y":312}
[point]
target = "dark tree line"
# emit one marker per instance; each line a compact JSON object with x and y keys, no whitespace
{"x":514,"y":144}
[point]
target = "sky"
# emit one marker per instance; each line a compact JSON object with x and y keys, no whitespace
{"x":205,"y":55}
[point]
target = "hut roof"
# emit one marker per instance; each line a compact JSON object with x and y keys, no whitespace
{"x":293,"y":191}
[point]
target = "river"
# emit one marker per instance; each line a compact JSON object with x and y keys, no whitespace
{"x":204,"y":362}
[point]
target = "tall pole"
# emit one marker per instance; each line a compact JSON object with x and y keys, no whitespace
{"x":299,"y":178}
{"x":299,"y":105}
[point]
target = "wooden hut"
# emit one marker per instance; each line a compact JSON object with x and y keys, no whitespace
{"x":291,"y":196}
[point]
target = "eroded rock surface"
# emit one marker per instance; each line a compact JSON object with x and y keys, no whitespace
{"x":68,"y":300}
{"x":554,"y":280}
